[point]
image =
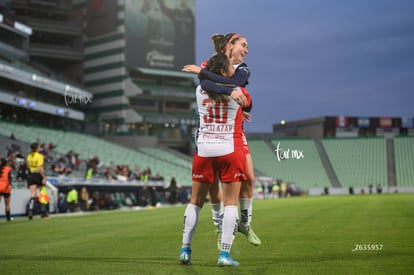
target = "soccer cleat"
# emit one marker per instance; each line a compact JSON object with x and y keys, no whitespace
{"x":249,"y":233}
{"x":185,"y":256}
{"x":225,"y":259}
{"x":30,"y":215}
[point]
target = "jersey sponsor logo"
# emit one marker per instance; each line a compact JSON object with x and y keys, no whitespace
{"x":198,"y":176}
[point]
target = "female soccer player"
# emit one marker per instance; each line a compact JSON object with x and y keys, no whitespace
{"x":235,"y":46}
{"x":36,"y":178}
{"x":219,"y":152}
{"x":5,"y":185}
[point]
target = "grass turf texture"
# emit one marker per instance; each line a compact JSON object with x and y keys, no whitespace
{"x":310,"y":235}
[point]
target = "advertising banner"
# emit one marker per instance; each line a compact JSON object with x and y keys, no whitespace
{"x":160,"y":34}
{"x":363,"y":122}
{"x":341,"y":121}
{"x":385,"y":122}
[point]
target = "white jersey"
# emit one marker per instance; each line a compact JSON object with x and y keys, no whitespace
{"x":220,"y":126}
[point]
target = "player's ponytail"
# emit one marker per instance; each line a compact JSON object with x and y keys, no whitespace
{"x":220,"y":41}
{"x":217,"y":42}
{"x":217,"y":64}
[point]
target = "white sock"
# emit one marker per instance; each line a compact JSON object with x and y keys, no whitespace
{"x":217,"y":212}
{"x":228,"y":227}
{"x":246,"y":206}
{"x":190,"y":224}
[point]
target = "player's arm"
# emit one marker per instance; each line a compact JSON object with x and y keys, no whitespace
{"x":10,"y":177}
{"x":42,"y":171}
{"x":211,"y":86}
{"x":249,"y":101}
{"x":240,"y":78}
{"x":234,"y":92}
{"x":191,"y":68}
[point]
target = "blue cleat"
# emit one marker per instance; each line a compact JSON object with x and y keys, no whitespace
{"x":225,"y":259}
{"x":185,"y":256}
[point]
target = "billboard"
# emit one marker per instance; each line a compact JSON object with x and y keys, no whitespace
{"x":406,"y":122}
{"x":160,"y":34}
{"x":385,"y":122}
{"x":363,"y":122}
{"x":341,"y":121}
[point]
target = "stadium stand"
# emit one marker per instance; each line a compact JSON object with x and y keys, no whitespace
{"x":263,"y":158}
{"x":166,"y":155}
{"x":404,"y":159}
{"x":305,"y":172}
{"x":90,"y":146}
{"x":358,"y":161}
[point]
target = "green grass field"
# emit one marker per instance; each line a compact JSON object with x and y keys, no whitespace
{"x":308,"y":235}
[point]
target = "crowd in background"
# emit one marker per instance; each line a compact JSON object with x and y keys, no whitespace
{"x":79,"y":198}
{"x":70,"y":164}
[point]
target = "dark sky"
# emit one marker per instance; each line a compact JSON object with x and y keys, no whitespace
{"x":312,"y":58}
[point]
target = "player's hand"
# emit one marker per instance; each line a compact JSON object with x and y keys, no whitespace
{"x":239,"y":97}
{"x":247,"y":117}
{"x":191,"y":68}
{"x":44,"y":180}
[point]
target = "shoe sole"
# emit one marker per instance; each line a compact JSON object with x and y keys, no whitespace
{"x":184,"y":262}
{"x":227,"y":265}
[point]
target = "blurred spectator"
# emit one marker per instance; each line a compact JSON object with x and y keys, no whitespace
{"x":172,"y":188}
{"x":144,"y":176}
{"x":154,"y":196}
{"x":89,"y":171}
{"x":259,"y":190}
{"x":22,"y":170}
{"x":183,"y":196}
{"x":157,"y":177}
{"x":61,"y":167}
{"x":144,"y":196}
{"x":106,"y":202}
{"x":73,"y":160}
{"x":94,"y":206}
{"x":283,"y":189}
{"x":84,"y":199}
{"x":45,"y":153}
{"x":72,"y":199}
{"x":379,"y":189}
{"x":51,"y":146}
{"x":5,"y":185}
{"x":275,"y":190}
{"x":61,"y":203}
